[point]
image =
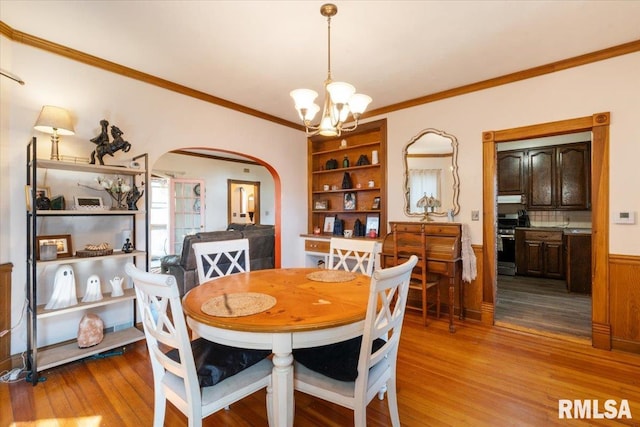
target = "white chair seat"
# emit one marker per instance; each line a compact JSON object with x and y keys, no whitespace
{"x":335,"y":391}
{"x":214,"y":398}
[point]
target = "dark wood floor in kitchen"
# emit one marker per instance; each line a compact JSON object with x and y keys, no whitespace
{"x":544,"y":306}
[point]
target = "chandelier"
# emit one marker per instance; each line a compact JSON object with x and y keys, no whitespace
{"x":340,"y":99}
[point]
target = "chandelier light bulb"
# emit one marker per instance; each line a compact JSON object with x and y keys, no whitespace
{"x":310,"y":112}
{"x":340,"y":92}
{"x":358,"y":103}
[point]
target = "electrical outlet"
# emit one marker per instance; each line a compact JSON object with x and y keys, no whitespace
{"x":475,"y":215}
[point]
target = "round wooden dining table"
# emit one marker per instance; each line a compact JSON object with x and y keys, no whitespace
{"x":307,"y":313}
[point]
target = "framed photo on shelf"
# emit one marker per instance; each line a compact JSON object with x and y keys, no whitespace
{"x":87,"y":202}
{"x":349,"y":201}
{"x":376,"y":203}
{"x":321,"y":205}
{"x":62,"y":242}
{"x":43,"y":193}
{"x":373,"y":223}
{"x":328,"y":224}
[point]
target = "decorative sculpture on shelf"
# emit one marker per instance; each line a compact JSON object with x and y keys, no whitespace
{"x":133,"y":196}
{"x":64,"y":289}
{"x":346,"y":181}
{"x":93,"y":292}
{"x":104,"y":147}
{"x":116,"y":286}
{"x":127,"y":247}
{"x":42,"y":201}
{"x":90,"y":330}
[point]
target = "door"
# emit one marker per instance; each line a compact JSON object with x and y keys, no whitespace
{"x":243,"y":202}
{"x":187,"y":210}
{"x":159,"y":220}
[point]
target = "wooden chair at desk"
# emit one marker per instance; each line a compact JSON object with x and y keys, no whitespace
{"x":400,"y":245}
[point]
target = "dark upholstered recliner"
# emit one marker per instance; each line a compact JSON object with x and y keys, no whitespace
{"x":261,"y":251}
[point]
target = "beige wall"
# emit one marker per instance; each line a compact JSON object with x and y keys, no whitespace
{"x":611,"y":85}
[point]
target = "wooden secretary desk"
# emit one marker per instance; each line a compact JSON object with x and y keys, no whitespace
{"x":438,"y":248}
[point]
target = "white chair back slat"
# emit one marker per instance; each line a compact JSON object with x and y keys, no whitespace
{"x":355,"y":255}
{"x":221,"y":258}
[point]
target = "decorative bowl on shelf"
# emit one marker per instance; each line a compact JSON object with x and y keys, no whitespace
{"x":95,"y":250}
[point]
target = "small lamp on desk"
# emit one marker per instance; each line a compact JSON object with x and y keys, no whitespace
{"x":56,"y":121}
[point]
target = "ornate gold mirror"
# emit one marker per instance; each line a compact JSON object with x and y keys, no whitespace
{"x":431,"y":182}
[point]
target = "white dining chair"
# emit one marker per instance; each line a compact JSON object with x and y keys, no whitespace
{"x":221,"y":258}
{"x":356,"y":255}
{"x":176,"y":376}
{"x":323,"y":372}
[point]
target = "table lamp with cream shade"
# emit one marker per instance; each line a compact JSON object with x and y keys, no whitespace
{"x":56,"y":121}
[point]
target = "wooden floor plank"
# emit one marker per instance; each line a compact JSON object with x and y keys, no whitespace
{"x":544,"y":305}
{"x":478,"y":376}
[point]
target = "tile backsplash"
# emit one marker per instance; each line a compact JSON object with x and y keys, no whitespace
{"x":574,"y":219}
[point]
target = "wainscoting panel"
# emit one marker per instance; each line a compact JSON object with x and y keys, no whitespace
{"x":624,"y":274}
{"x":5,"y":315}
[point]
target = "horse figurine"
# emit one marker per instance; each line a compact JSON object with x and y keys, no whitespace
{"x":104,"y":146}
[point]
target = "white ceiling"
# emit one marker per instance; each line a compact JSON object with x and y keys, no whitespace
{"x":255,"y":52}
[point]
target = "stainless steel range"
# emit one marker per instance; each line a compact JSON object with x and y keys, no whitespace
{"x":506,"y":240}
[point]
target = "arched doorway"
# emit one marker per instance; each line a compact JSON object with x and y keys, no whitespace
{"x":598,"y":124}
{"x":204,"y":163}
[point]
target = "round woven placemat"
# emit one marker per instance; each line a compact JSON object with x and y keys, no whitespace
{"x":331,"y":276}
{"x":238,"y":304}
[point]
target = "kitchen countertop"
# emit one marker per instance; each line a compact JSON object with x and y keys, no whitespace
{"x":565,"y":230}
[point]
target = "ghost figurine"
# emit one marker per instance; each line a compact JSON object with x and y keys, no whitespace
{"x":116,"y":286}
{"x":64,"y":289}
{"x":93,"y":292}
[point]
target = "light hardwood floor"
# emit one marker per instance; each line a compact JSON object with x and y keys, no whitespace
{"x":543,"y":306}
{"x":478,"y":376}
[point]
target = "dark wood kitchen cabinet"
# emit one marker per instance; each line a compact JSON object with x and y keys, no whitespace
{"x":573,"y":176}
{"x":511,"y":172}
{"x":559,"y":177}
{"x":541,"y":178}
{"x":540,"y":253}
{"x":578,"y":262}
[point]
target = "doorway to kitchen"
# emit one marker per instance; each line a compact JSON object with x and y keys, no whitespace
{"x":540,"y":287}
{"x":598,"y":125}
